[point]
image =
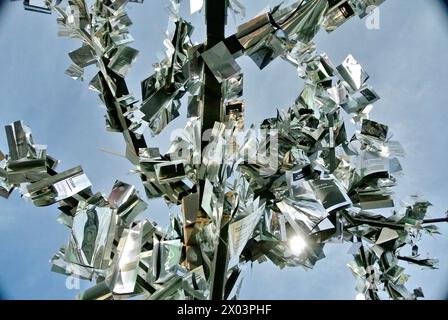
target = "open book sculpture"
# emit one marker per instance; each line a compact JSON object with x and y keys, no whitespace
{"x":276,"y":192}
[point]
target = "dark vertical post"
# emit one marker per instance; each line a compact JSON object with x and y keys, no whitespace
{"x":215,"y":15}
{"x":332,"y":155}
{"x":218,"y":283}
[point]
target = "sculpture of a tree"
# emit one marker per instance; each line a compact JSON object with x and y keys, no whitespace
{"x":279,"y":192}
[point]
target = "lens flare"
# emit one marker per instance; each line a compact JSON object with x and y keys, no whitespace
{"x":297,"y":244}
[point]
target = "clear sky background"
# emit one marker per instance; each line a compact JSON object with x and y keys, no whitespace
{"x":405,"y":59}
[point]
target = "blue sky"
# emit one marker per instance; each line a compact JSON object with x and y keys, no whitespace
{"x":405,"y":59}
